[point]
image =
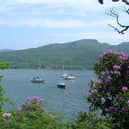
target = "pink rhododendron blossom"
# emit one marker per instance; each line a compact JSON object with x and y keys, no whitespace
{"x":117,"y":73}
{"x":124,"y":109}
{"x":107,"y":81}
{"x":128,"y":102}
{"x":100,"y":81}
{"x":107,"y":72}
{"x":6,"y":114}
{"x":112,"y":109}
{"x":92,"y":91}
{"x":124,"y":88}
{"x":37,"y":99}
{"x":116,"y":67}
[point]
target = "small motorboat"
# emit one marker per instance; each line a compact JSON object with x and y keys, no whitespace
{"x":61,"y":85}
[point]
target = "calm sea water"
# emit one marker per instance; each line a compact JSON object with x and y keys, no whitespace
{"x":64,"y":102}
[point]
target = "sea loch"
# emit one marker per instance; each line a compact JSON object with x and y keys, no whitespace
{"x":66,"y":102}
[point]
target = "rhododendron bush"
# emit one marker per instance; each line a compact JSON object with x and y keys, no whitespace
{"x":109,"y":93}
{"x":31,"y":115}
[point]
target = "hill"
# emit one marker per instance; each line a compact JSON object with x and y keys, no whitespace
{"x":80,"y":54}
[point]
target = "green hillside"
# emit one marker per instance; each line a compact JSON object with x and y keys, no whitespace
{"x":81,"y":54}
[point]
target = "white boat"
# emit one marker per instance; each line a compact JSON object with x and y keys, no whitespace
{"x":37,"y":80}
{"x":64,"y":75}
{"x":69,"y":77}
{"x":61,"y":85}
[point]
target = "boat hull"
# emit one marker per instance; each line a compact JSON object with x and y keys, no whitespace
{"x":61,"y":85}
{"x":39,"y":81}
{"x":69,"y":78}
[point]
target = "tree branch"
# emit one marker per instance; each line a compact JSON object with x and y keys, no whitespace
{"x":124,"y":1}
{"x":122,"y":31}
{"x":127,"y":11}
{"x":124,"y":28}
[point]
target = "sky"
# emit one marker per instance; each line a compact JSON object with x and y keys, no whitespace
{"x":33,"y":23}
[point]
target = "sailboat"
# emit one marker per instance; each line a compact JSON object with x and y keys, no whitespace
{"x":67,"y":76}
{"x":62,"y":84}
{"x":37,"y":79}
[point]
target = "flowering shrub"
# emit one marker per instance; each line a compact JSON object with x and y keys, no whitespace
{"x":31,"y":115}
{"x":6,"y":114}
{"x":32,"y":104}
{"x":109,"y":93}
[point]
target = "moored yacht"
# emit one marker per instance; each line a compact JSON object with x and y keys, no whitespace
{"x":69,"y":77}
{"x":37,"y":80}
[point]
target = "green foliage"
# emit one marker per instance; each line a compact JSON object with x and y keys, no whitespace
{"x":109,"y":94}
{"x":90,"y":121}
{"x":3,"y":99}
{"x":31,"y":115}
{"x":4,"y":65}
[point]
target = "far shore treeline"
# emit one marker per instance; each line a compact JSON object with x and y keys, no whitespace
{"x":80,"y":54}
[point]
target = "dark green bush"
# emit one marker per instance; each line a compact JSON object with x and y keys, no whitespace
{"x":90,"y":121}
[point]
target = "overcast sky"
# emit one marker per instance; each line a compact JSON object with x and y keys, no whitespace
{"x":33,"y":23}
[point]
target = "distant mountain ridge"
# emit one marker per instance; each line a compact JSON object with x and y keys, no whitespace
{"x":5,"y":50}
{"x":80,"y":54}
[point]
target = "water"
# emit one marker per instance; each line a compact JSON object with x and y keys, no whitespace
{"x":66,"y":102}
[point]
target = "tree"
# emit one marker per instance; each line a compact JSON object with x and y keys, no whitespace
{"x":123,"y":28}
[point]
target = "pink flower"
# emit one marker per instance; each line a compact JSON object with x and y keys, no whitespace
{"x":92,"y":91}
{"x":123,"y":56}
{"x":107,"y":72}
{"x":117,"y":72}
{"x":6,"y":114}
{"x":128,"y":102}
{"x":100,"y":81}
{"x":124,"y":88}
{"x":116,"y":67}
{"x":37,"y":99}
{"x":112,"y":109}
{"x":124,"y":109}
